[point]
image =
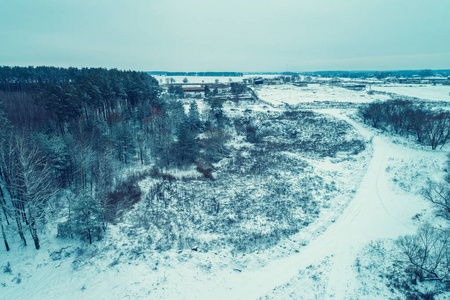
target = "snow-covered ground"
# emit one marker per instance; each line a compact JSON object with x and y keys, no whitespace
{"x":289,"y":94}
{"x":380,"y":209}
{"x":280,"y":94}
{"x":318,"y":263}
{"x":422,"y":91}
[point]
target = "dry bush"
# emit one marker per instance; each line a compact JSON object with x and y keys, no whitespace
{"x":122,"y":199}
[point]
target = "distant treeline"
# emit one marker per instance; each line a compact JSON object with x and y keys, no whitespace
{"x":109,"y":82}
{"x":378,"y":74}
{"x":217,"y":74}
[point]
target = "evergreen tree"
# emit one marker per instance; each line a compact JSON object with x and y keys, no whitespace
{"x":186,"y":145}
{"x":207,"y":91}
{"x":84,"y":220}
{"x":194,"y":117}
{"x":125,"y":143}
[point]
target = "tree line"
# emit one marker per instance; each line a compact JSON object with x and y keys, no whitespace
{"x":403,"y":117}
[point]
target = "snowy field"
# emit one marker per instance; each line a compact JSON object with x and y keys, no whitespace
{"x":338,"y":256}
{"x":422,"y":91}
{"x":292,"y":95}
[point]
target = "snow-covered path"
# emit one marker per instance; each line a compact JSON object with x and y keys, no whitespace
{"x":377,"y":211}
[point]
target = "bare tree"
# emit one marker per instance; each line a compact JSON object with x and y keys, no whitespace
{"x":82,"y":156}
{"x":437,"y":129}
{"x":416,"y":118}
{"x":439,"y":195}
{"x":2,"y":201}
{"x":9,"y":182}
{"x":34,"y":184}
{"x":103,"y":183}
{"x":428,"y":252}
{"x":3,"y":129}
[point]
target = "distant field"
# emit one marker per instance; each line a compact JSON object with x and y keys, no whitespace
{"x":422,"y":91}
{"x":279,"y":94}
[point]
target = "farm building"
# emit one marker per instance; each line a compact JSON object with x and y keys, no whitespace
{"x":193,"y":89}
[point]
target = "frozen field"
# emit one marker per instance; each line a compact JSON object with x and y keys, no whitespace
{"x":422,"y":91}
{"x":289,"y":94}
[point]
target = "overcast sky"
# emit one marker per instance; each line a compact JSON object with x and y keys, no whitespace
{"x":227,"y":35}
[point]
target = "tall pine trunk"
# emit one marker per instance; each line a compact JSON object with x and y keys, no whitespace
{"x":19,"y":228}
{"x":89,"y":236}
{"x":34,"y":235}
{"x":3,"y":233}
{"x":33,"y":230}
{"x":3,"y":204}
